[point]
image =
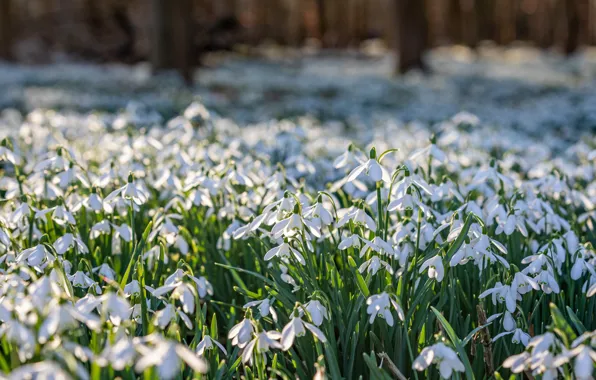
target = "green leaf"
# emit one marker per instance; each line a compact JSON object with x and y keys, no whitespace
{"x":375,"y":371}
{"x":456,"y":342}
{"x":560,"y":323}
{"x":579,"y":326}
{"x":359,"y":279}
{"x":461,"y":238}
{"x":138,"y":250}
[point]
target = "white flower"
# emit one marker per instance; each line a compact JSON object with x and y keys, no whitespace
{"x":116,"y":308}
{"x":372,"y":169}
{"x":264,"y":306}
{"x":584,"y":358}
{"x":373,"y":265}
{"x":130,"y":191}
{"x":518,"y":337}
{"x":435,"y":268}
{"x":8,"y":155}
{"x":358,"y":216}
{"x":241,"y":333}
{"x":263,"y":342}
{"x":119,"y":355}
{"x":81,"y":280}
{"x":207,"y":344}
{"x":105,"y":271}
{"x":67,"y":241}
{"x":283,"y":251}
{"x":35,"y":256}
{"x":442,"y":355}
{"x":430,"y":150}
{"x":380,"y":305}
{"x":317,"y":312}
{"x":100,"y":228}
{"x":503,"y":293}
{"x":296,"y":327}
{"x":165,"y":356}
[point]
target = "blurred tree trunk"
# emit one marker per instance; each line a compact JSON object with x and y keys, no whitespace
{"x":322,"y":18}
{"x":571,"y":16}
{"x":412,"y":34}
{"x":294,"y":29}
{"x":506,"y":26}
{"x":183,"y":38}
{"x":172,"y":40}
{"x":455,"y":22}
{"x":574,"y":13}
{"x":224,"y":8}
{"x":161,"y":34}
{"x":469,"y":22}
{"x":486,"y":20}
{"x":6,"y":36}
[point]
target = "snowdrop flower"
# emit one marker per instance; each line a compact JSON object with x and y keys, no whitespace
{"x":316,"y":311}
{"x":517,"y":363}
{"x":7,"y":154}
{"x":117,"y":308}
{"x":264,"y":306}
{"x":67,"y":241}
{"x":412,"y":180}
{"x":263,"y":341}
{"x":81,"y":280}
{"x":502,"y":293}
{"x":60,"y":215}
{"x":180,"y":290}
{"x":206,"y":344}
{"x":95,"y":203}
{"x":435,"y":268}
{"x":204,"y":287}
{"x":377,"y":245}
{"x":373,"y":265}
{"x":41,"y":370}
{"x":442,"y":355}
{"x":509,"y":323}
{"x":56,"y":163}
{"x":372,"y":168}
{"x":165,"y":356}
{"x":358,"y":216}
{"x":319,"y":213}
{"x":518,"y":337}
{"x":283,"y":251}
{"x":296,"y":327}
{"x":119,"y":355}
{"x":101,"y":228}
{"x":241,"y":333}
{"x":168,"y":314}
{"x":132,"y":288}
{"x":584,"y":358}
{"x":123,"y":232}
{"x":350,"y":241}
{"x":104,"y":270}
{"x":431,"y":151}
{"x":380,"y":305}
{"x":35,"y":256}
{"x":512,"y":223}
{"x":130,"y":191}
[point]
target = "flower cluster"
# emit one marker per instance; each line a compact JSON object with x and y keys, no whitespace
{"x":130,"y":248}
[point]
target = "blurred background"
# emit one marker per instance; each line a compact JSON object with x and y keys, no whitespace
{"x":177,"y":34}
{"x":522,"y":63}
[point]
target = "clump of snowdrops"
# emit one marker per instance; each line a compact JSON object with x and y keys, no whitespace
{"x":194,"y":248}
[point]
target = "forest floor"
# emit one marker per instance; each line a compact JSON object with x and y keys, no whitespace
{"x":517,"y":86}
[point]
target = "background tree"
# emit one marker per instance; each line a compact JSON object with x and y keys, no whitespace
{"x":412,"y":32}
{"x":6,"y":30}
{"x":172,"y":41}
